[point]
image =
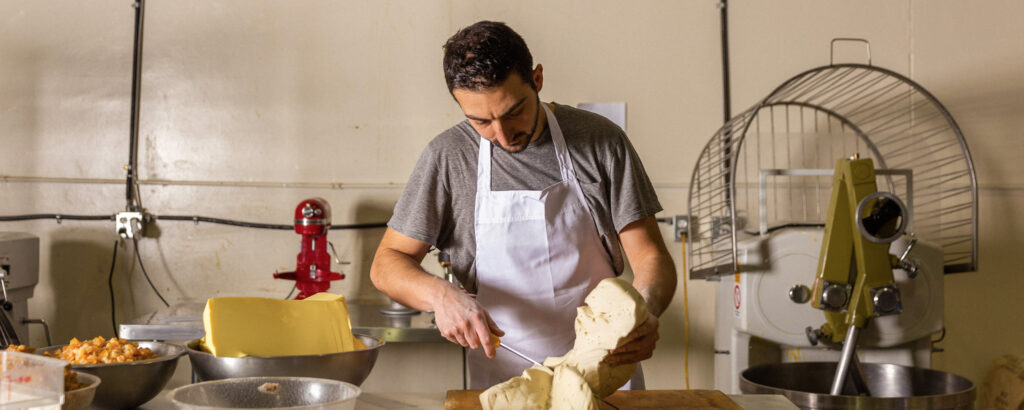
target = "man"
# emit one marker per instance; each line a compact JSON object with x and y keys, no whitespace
{"x":532,"y":225}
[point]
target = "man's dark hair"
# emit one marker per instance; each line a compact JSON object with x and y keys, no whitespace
{"x":483,"y":55}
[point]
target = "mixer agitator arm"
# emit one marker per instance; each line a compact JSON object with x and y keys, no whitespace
{"x":854,"y":280}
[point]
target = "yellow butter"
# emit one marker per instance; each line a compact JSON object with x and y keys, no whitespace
{"x":249,"y":326}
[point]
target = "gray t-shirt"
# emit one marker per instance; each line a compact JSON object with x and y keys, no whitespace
{"x":437,"y":205}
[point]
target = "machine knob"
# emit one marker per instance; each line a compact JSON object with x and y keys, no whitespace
{"x":307,"y":211}
{"x":911,"y":267}
{"x":813,"y":335}
{"x":886,"y":300}
{"x":799,"y":294}
{"x":834,"y":297}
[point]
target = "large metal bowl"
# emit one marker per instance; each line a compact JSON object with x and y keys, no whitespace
{"x":253,"y":393}
{"x":352,"y":367}
{"x":892,"y":386}
{"x":130,"y":384}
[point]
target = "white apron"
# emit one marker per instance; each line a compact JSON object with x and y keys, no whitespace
{"x":538,"y":255}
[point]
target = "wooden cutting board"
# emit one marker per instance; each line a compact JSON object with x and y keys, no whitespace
{"x":639,"y":399}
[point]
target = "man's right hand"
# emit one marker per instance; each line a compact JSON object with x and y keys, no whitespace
{"x":463,"y":321}
{"x":396,"y":271}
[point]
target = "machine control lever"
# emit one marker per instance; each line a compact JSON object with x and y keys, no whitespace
{"x":905,"y":262}
{"x":334,"y":253}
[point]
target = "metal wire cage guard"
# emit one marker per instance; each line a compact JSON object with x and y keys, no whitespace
{"x":771,"y":166}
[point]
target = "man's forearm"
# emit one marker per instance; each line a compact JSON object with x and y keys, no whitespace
{"x":654,"y":272}
{"x":402,"y":278}
{"x":655,"y":279}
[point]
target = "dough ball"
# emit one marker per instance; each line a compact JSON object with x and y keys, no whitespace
{"x":531,"y":391}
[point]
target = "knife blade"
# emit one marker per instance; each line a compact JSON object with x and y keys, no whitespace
{"x":497,"y":343}
{"x":516,"y":352}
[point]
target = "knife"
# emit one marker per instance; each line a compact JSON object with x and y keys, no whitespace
{"x":497,"y":343}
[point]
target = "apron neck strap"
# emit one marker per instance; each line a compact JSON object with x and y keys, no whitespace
{"x":561,"y":150}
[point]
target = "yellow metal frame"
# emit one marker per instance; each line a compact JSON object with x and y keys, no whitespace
{"x":847,"y":257}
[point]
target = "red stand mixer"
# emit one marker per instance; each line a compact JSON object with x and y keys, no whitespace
{"x":313,"y":270}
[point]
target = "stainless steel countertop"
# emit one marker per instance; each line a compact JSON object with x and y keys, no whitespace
{"x":185,"y":322}
{"x":418,"y":401}
{"x":366,"y":401}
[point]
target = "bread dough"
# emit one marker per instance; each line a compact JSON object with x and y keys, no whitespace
{"x":531,"y":391}
{"x":613,"y":309}
{"x":603,"y":378}
{"x":570,"y":392}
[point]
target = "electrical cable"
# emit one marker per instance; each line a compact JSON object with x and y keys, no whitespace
{"x":110,"y":285}
{"x":58,"y":217}
{"x":135,"y":243}
{"x":726,"y":95}
{"x":131,"y":180}
{"x":138,"y":196}
{"x":789,"y":225}
{"x":196,"y":219}
{"x":369,"y":225}
{"x":686,"y":319}
{"x":291,"y":292}
{"x":222,"y":221}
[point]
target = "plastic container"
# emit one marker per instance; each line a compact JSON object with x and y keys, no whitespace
{"x":29,"y":381}
{"x":81,"y":398}
{"x":267,"y":393}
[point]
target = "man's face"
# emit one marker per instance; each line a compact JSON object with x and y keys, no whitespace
{"x":506,"y":114}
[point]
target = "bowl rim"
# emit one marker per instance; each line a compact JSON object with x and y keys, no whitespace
{"x":176,"y":352}
{"x":358,"y":391}
{"x":192,"y":348}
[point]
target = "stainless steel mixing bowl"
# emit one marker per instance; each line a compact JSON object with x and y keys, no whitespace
{"x":130,"y":384}
{"x":892,"y":386}
{"x":352,"y":367}
{"x":266,"y":393}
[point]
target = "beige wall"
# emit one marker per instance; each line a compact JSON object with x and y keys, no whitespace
{"x":250,"y":106}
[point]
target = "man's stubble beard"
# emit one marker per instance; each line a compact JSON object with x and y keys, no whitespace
{"x":529,"y":137}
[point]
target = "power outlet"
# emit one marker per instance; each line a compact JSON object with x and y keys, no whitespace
{"x":129,"y":225}
{"x":680,"y":225}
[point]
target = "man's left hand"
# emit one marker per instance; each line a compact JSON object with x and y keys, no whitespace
{"x":639,"y":345}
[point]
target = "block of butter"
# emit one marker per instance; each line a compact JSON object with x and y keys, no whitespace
{"x":250,"y":326}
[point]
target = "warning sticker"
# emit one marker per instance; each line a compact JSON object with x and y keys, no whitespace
{"x":736,"y":297}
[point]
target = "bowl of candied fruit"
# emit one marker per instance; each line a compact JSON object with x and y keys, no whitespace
{"x":132,"y":372}
{"x":79,"y":388}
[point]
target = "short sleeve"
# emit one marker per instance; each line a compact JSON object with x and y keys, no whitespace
{"x":630,"y":190}
{"x":421,"y":210}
